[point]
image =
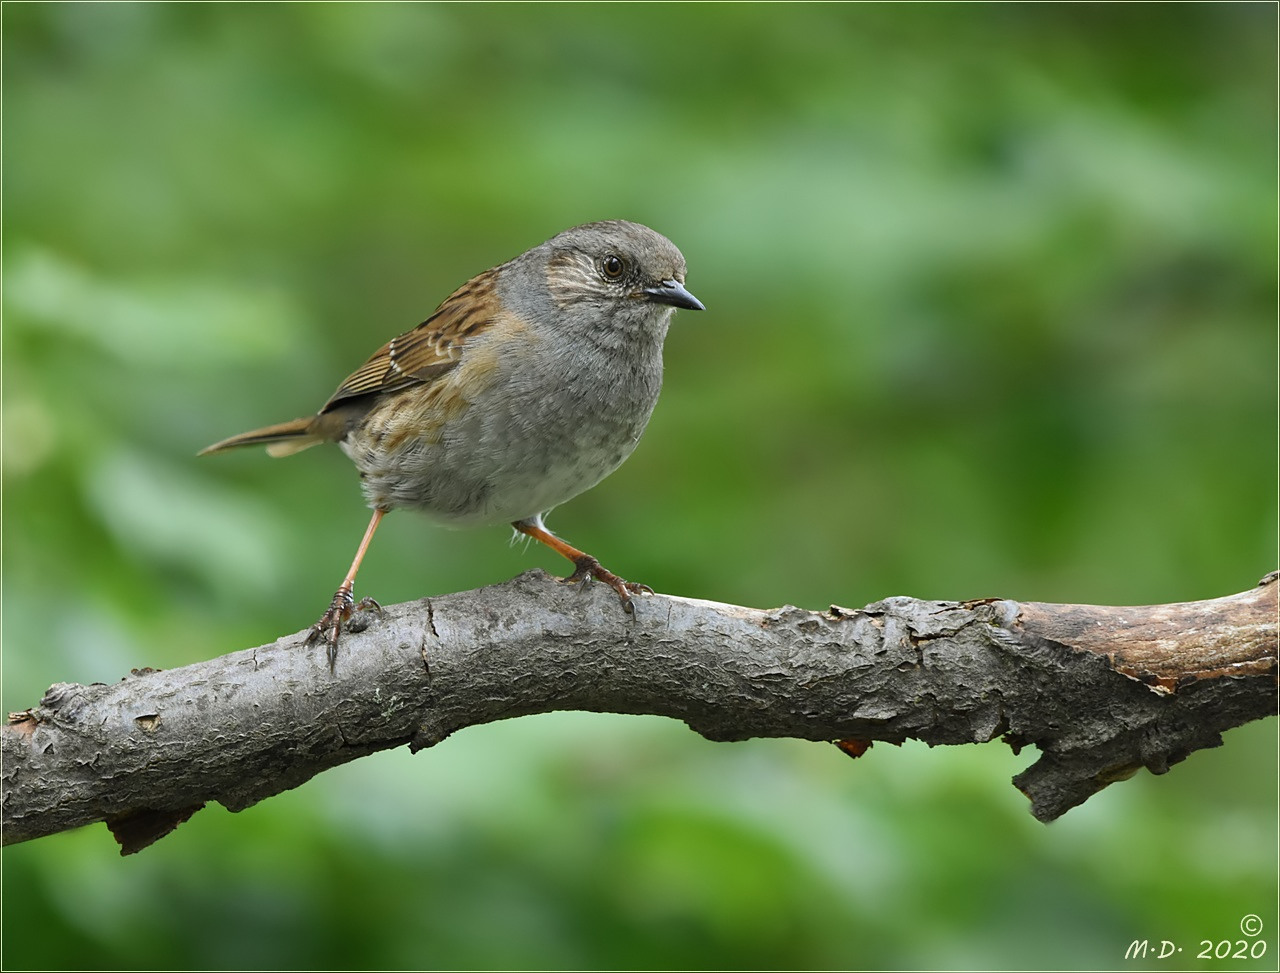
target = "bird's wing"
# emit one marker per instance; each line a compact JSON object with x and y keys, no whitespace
{"x":428,"y":351}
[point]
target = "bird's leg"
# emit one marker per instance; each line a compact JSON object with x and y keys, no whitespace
{"x":329,"y":627}
{"x":585,"y":566}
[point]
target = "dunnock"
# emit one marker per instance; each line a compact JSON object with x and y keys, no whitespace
{"x":530,"y":384}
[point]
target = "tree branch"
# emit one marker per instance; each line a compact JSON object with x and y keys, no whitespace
{"x":1099,"y":691}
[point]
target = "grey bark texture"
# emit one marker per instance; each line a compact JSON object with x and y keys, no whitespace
{"x":1099,"y":691}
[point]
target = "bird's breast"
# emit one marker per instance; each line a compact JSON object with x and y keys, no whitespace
{"x":507,"y":436}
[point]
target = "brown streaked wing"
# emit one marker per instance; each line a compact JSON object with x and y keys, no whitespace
{"x":429,"y":350}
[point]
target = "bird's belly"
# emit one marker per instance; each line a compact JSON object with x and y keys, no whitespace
{"x":497,"y":466}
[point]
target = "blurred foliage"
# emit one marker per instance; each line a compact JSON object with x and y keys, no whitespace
{"x":992,"y":311}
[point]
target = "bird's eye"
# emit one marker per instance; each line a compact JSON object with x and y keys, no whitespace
{"x":612,"y":267}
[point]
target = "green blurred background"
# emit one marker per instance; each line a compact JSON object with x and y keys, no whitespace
{"x":991,"y":304}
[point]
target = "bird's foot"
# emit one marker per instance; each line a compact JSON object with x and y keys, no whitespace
{"x":588,"y":567}
{"x":329,"y":627}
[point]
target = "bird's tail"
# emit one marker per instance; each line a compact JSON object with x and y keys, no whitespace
{"x":282,"y":439}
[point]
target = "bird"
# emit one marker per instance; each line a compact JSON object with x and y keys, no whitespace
{"x":528,"y":385}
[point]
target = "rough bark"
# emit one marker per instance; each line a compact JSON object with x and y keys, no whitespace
{"x":1100,"y":691}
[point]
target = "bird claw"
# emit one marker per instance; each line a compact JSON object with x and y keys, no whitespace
{"x":359,"y":622}
{"x":329,"y":627}
{"x":588,"y":567}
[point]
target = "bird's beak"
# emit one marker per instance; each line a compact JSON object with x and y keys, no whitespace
{"x":672,"y":292}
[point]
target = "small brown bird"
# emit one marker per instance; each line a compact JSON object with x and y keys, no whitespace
{"x":530,"y":384}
